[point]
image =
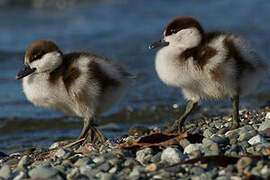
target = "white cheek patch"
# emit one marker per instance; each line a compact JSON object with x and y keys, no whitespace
{"x":185,"y":38}
{"x":48,"y":62}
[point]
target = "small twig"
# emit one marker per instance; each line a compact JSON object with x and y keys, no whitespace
{"x":73,"y":143}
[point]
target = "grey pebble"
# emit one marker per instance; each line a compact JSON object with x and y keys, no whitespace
{"x":5,"y":172}
{"x":105,"y":167}
{"x":208,"y":132}
{"x":257,"y":140}
{"x":172,"y":155}
{"x":24,"y":161}
{"x":192,"y":147}
{"x":197,"y":171}
{"x":220,"y":139}
{"x":223,"y":178}
{"x":207,"y":142}
{"x":87,"y":171}
{"x":264,"y":125}
{"x":99,"y":160}
{"x":245,"y":136}
{"x":83,"y":161}
{"x":136,"y":171}
{"x":107,"y":176}
{"x":156,"y":158}
{"x":63,"y":153}
{"x":46,"y":173}
{"x":19,"y":175}
{"x":243,"y":163}
{"x":128,"y":162}
{"x":141,"y":155}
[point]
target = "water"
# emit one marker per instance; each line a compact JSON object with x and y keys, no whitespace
{"x":121,"y":30}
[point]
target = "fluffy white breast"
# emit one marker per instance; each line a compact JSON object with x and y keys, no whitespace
{"x":40,"y":92}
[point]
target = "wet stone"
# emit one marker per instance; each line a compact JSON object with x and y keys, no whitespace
{"x":172,"y":155}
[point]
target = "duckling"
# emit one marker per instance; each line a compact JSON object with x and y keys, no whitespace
{"x":215,"y":65}
{"x":79,"y":84}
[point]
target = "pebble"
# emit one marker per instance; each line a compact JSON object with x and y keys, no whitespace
{"x":208,"y":132}
{"x":156,"y":158}
{"x":54,"y":145}
{"x":23,"y":162}
{"x":83,"y":161}
{"x":220,"y":139}
{"x":63,"y":153}
{"x":172,"y":155}
{"x":45,"y":173}
{"x":206,"y":142}
{"x":245,"y":136}
{"x":151,"y":167}
{"x":107,"y":176}
{"x":256,"y":140}
{"x":192,"y":147}
{"x":19,"y":175}
{"x":5,"y":172}
{"x":243,"y":163}
{"x":142,"y":154}
{"x":265,"y":125}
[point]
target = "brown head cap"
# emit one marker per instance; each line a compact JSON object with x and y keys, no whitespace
{"x":180,"y":23}
{"x":38,"y":48}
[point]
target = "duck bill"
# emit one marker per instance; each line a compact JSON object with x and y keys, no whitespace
{"x":25,"y":71}
{"x":159,"y":44}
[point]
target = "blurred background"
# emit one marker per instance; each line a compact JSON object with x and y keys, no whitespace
{"x":121,"y":30}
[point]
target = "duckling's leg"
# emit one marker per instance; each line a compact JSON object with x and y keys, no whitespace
{"x":235,"y":102}
{"x":90,"y":133}
{"x":178,"y":125}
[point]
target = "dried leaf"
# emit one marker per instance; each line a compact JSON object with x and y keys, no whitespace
{"x":155,"y":139}
{"x":267,"y":150}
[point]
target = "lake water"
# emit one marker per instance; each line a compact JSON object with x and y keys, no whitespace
{"x":121,"y":30}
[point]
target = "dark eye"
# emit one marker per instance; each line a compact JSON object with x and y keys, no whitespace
{"x":37,"y":56}
{"x":173,"y":30}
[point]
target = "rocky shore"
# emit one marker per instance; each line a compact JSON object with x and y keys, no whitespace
{"x":201,"y":153}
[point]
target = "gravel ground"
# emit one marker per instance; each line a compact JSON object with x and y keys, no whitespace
{"x":239,"y":154}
